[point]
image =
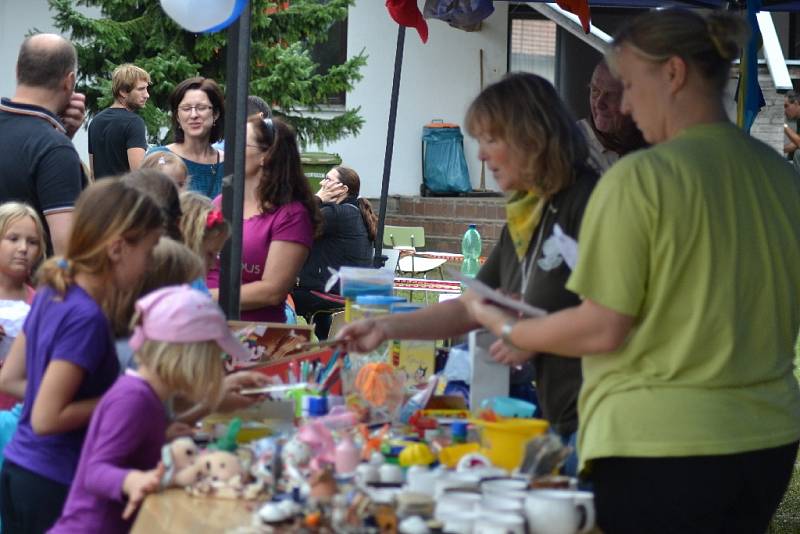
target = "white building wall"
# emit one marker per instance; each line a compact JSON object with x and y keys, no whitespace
{"x":439,"y":80}
{"x":17,"y":19}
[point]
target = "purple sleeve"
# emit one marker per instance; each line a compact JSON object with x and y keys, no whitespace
{"x":83,"y":339}
{"x":293,"y":224}
{"x":115,"y":438}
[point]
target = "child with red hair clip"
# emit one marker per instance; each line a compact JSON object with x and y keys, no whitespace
{"x":204,"y":231}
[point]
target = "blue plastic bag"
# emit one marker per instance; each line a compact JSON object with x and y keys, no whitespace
{"x":444,"y":167}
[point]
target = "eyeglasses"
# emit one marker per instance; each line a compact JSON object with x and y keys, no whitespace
{"x":200,"y":109}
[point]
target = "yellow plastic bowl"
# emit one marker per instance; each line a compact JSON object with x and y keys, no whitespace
{"x":503,"y":442}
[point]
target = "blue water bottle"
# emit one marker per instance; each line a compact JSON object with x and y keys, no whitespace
{"x":471,"y":250}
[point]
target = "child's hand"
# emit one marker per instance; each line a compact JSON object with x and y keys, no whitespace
{"x":234,"y":382}
{"x":138,"y":484}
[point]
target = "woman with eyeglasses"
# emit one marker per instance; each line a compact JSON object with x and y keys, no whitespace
{"x":349,"y":226}
{"x":281,"y":219}
{"x":198,"y":114}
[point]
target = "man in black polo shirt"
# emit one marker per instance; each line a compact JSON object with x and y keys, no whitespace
{"x":38,"y":163}
{"x":117,"y":138}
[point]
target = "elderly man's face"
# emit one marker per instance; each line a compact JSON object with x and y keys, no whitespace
{"x":791,"y":109}
{"x":605,"y":97}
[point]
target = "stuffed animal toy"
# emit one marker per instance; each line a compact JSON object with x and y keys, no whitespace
{"x":177,"y":456}
{"x":216,"y":473}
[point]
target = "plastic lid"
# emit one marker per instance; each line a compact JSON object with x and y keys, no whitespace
{"x":317,"y":406}
{"x":473,"y":226}
{"x":458,"y":429}
{"x":378,"y":300}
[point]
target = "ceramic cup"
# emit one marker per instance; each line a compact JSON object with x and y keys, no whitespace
{"x":459,"y":523}
{"x":391,"y":474}
{"x":456,"y":502}
{"x":559,"y":511}
{"x":367,"y":474}
{"x":499,"y":504}
{"x":492,"y":523}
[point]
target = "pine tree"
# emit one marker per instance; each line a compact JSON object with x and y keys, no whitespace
{"x":282,"y":69}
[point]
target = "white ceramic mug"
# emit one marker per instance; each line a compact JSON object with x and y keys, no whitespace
{"x":455,"y":503}
{"x":559,"y":511}
{"x":460,"y":523}
{"x":366,"y":474}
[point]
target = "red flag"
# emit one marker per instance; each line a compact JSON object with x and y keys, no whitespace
{"x":407,"y":13}
{"x":580,"y":8}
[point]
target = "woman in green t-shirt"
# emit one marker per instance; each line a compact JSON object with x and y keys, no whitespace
{"x":689,"y":269}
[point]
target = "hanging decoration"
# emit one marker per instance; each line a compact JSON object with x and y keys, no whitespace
{"x":204,"y":16}
{"x":407,"y":13}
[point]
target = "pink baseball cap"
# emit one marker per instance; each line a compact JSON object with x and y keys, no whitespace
{"x":180,"y":314}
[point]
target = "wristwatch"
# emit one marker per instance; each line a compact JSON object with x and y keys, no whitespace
{"x":505,"y":333}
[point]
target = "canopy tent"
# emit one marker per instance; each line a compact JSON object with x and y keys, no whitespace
{"x":238,"y":74}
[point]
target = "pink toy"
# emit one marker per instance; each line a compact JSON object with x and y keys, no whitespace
{"x":339,"y":418}
{"x":347,"y":455}
{"x":320,"y":441}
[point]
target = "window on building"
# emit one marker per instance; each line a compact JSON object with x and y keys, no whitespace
{"x":332,"y":52}
{"x":532,"y":43}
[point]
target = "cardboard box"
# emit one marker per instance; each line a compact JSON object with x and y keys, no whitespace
{"x":270,"y":341}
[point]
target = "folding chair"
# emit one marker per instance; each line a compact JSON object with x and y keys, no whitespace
{"x":407,"y":239}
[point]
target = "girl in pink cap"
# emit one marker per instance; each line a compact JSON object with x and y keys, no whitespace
{"x":119,"y":462}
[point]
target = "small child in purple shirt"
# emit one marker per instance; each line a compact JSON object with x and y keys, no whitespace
{"x":179,"y":341}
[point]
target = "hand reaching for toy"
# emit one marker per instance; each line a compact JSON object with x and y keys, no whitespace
{"x":235,"y":382}
{"x":362,"y":336}
{"x":139,"y":484}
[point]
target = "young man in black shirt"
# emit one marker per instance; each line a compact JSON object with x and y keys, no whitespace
{"x":117,"y":138}
{"x":38,"y":163}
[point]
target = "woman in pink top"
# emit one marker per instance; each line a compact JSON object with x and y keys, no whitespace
{"x":281,"y":220}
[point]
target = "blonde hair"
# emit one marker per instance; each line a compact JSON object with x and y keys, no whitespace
{"x":161,"y":160}
{"x":195,"y":208}
{"x":172,"y":264}
{"x":124,"y":78}
{"x":11,"y":212}
{"x":191,"y":369}
{"x":525,"y":111}
{"x":105,"y":211}
{"x":707,"y":43}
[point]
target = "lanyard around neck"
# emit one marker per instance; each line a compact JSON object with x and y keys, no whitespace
{"x":527,"y":263}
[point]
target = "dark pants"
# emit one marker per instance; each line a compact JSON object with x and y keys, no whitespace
{"x":307,"y":304}
{"x":29,"y":503}
{"x":728,"y":494}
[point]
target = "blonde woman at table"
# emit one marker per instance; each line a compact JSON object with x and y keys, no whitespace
{"x":537,"y":154}
{"x":689,"y":267}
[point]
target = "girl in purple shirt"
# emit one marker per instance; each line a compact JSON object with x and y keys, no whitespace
{"x":281,"y":219}
{"x":64,"y":359}
{"x":118,"y":462}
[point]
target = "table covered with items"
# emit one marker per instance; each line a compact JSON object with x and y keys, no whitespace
{"x":388,"y":441}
